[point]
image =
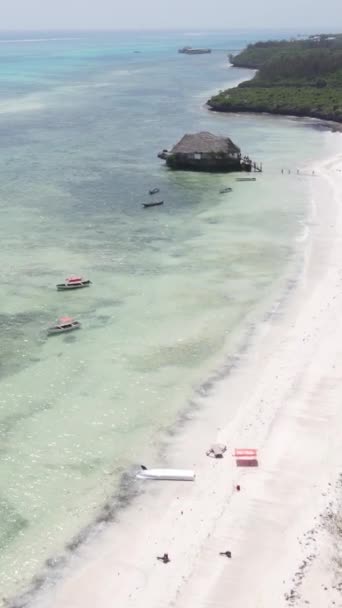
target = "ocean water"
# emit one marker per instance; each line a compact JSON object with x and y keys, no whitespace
{"x":82,"y":118}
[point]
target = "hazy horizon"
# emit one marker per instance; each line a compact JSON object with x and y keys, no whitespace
{"x":290,"y":29}
{"x":218,"y":29}
{"x":23,"y":15}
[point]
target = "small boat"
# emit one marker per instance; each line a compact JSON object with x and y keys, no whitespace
{"x":245,"y":179}
{"x":224,"y":190}
{"x":64,"y":324}
{"x":188,"y":50}
{"x":154,"y":191}
{"x":166,"y":474}
{"x":73,"y":283}
{"x":156,"y":204}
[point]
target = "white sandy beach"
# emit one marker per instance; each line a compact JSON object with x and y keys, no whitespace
{"x":284,"y":398}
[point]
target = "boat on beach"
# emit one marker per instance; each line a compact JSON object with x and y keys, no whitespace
{"x":166,"y":474}
{"x":156,"y":204}
{"x":73,"y":283}
{"x":63,"y":325}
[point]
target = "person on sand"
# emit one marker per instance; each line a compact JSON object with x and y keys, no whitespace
{"x":165,"y":558}
{"x":226,"y":553}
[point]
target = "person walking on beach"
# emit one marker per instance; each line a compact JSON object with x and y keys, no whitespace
{"x":226,"y":553}
{"x":164,"y":558}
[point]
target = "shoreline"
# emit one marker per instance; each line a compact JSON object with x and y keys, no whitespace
{"x":239,"y":109}
{"x":220,"y":106}
{"x":128,"y":491}
{"x":193,"y":522}
{"x":68,"y":536}
{"x":211,"y":92}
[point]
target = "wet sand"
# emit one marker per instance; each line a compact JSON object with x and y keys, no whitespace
{"x":283,"y":397}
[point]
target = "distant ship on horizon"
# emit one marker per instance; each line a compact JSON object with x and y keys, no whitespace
{"x":188,"y":50}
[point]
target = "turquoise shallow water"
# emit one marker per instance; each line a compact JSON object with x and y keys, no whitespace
{"x":81,"y":122}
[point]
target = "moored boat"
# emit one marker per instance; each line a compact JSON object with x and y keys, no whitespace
{"x":63,"y":325}
{"x":189,"y":50}
{"x":224,"y":190}
{"x":73,"y":283}
{"x":156,"y":204}
{"x":245,"y":179}
{"x":154,"y":191}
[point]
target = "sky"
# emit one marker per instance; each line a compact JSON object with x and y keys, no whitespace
{"x":171,"y":14}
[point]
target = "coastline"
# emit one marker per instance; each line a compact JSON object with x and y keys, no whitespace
{"x":69,"y":498}
{"x":281,"y":399}
{"x":282,"y":86}
{"x":240,"y":109}
{"x":211,"y":92}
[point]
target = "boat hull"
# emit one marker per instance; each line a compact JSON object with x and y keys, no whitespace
{"x":153,"y":204}
{"x":166,"y":474}
{"x":66,"y":287}
{"x":53,"y":331}
{"x":191,"y":51}
{"x":225,"y":190}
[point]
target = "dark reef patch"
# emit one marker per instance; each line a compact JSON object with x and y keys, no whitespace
{"x":53,"y":567}
{"x":8,"y":423}
{"x":13,"y":523}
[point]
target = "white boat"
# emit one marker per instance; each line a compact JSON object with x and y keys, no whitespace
{"x":167,"y":474}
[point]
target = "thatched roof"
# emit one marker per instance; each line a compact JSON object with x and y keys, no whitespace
{"x":204,"y":143}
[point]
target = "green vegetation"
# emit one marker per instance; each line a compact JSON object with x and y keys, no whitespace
{"x":255,"y":55}
{"x":299,"y":78}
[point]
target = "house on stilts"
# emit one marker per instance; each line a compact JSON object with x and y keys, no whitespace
{"x":206,"y":152}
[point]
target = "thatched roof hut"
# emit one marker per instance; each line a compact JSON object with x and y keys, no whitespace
{"x":205,"y":143}
{"x":204,"y":152}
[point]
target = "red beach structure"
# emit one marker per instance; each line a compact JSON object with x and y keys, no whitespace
{"x":246,"y":457}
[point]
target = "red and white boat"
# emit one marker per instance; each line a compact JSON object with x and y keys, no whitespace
{"x":63,"y":325}
{"x":73,"y":283}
